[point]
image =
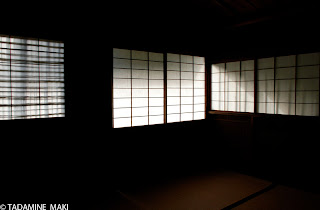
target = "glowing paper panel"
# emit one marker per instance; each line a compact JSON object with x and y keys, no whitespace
{"x":32,"y":78}
{"x":185,"y":88}
{"x":138,"y":88}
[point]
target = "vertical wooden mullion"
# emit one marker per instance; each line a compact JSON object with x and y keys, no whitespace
{"x":131,"y":82}
{"x":295,"y":84}
{"x":148,"y":89}
{"x":193,"y":81}
{"x":165,"y":87}
{"x":10,"y":68}
{"x":112,"y":104}
{"x":180,"y":69}
{"x":274,"y":84}
{"x":255,"y":86}
{"x":208,"y":88}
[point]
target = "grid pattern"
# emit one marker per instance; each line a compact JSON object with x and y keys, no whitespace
{"x":289,"y":85}
{"x":138,"y":88}
{"x":285,"y":85}
{"x":307,"y":84}
{"x":185,"y":88}
{"x":265,"y":83}
{"x":31,"y":78}
{"x":233,"y":86}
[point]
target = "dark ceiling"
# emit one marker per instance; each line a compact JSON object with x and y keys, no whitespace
{"x":201,"y":25}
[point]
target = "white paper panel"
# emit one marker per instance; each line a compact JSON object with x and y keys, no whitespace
{"x":173,"y":84}
{"x":199,"y":76}
{"x":136,"y":93}
{"x":198,"y":92}
{"x":218,"y":68}
{"x":137,"y":121}
{"x":173,"y":66}
{"x":156,"y":84}
{"x":173,"y":101}
{"x":122,"y":122}
{"x":156,"y":65}
{"x":308,"y":109}
{"x":187,"y":67}
{"x":266,"y":85}
{"x":124,"y":112}
{"x":198,"y":116}
{"x":186,"y":59}
{"x":139,"y":55}
{"x":199,"y":100}
{"x":186,"y":108}
{"x":173,"y":75}
{"x":173,"y":92}
{"x":139,"y":74}
{"x":156,"y":110}
{"x":121,"y":63}
{"x":307,"y":96}
{"x":139,"y":102}
{"x":138,"y":64}
{"x":186,"y":116}
{"x":155,"y":93}
{"x":173,"y":118}
{"x":198,"y":60}
{"x":187,"y":91}
{"x":155,"y":56}
{"x":265,"y":96}
{"x":156,"y":102}
{"x":139,"y":83}
{"x":285,"y":73}
{"x":266,"y":74}
{"x":199,"y":84}
{"x":173,"y":57}
{"x":155,"y":74}
{"x":186,"y":100}
{"x":121,"y":93}
{"x":285,"y":97}
{"x":199,"y":68}
{"x":156,"y":120}
{"x":173,"y":109}
{"x":119,"y":103}
{"x":199,"y":107}
{"x":187,"y":75}
{"x":308,"y":72}
{"x":233,"y":66}
{"x":247,"y":65}
{"x":141,"y":111}
{"x":308,"y":84}
{"x":308,"y":59}
{"x":285,"y":108}
{"x":247,"y":76}
{"x":121,"y":53}
{"x":265,"y":63}
{"x":285,"y":61}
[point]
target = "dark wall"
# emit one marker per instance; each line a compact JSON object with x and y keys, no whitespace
{"x":279,"y":148}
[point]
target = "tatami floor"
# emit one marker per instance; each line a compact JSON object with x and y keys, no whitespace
{"x":221,"y":190}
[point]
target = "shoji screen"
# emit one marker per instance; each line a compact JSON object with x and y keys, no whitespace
{"x":138,"y":88}
{"x":185,"y":88}
{"x":285,"y":85}
{"x":233,"y":86}
{"x":307,"y":90}
{"x":289,"y":85}
{"x":265,"y":83}
{"x":31,"y":78}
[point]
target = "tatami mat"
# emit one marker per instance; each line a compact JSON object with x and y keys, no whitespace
{"x":282,"y":197}
{"x":206,"y":192}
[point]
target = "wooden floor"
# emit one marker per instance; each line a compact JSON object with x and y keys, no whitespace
{"x":223,"y":190}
